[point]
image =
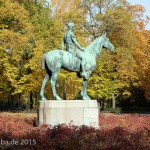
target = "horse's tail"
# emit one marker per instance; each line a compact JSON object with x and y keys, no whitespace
{"x":44,"y":65}
{"x":43,"y":61}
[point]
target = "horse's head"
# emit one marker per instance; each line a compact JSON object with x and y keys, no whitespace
{"x":106,"y":43}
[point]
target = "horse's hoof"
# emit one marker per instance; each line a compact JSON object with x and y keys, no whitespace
{"x":86,"y":98}
{"x":43,"y":99}
{"x":58,"y":98}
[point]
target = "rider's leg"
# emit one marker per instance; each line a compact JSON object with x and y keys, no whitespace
{"x":84,"y":70}
{"x":80,"y":55}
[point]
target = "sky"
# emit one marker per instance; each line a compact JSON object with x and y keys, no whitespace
{"x":146,"y":4}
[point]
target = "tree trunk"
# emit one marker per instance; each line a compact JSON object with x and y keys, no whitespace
{"x":7,"y":104}
{"x":64,"y":95}
{"x":103,"y":104}
{"x":113,"y":101}
{"x":12,"y":102}
{"x":19,"y":99}
{"x":36,"y":99}
{"x":31,"y":100}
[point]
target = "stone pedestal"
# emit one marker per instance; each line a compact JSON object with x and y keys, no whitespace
{"x":76,"y":112}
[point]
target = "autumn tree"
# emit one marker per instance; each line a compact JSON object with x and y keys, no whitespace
{"x":22,"y":47}
{"x":121,"y":21}
{"x":15,"y":34}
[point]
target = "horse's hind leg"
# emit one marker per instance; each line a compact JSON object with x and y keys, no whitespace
{"x":46,"y":78}
{"x":53,"y":84}
{"x":84,"y":90}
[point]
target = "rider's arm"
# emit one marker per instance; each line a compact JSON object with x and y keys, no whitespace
{"x":76,"y":42}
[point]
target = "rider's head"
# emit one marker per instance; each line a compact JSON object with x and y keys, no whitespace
{"x":70,"y":25}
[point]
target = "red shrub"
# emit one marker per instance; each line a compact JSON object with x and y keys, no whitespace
{"x":116,"y":133}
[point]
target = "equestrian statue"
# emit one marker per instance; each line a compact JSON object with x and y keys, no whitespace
{"x":81,"y":60}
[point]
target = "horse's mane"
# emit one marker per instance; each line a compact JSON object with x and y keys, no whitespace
{"x":92,"y":44}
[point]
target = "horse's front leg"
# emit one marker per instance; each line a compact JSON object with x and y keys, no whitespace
{"x":84,"y":90}
{"x":53,"y":84}
{"x":46,"y":78}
